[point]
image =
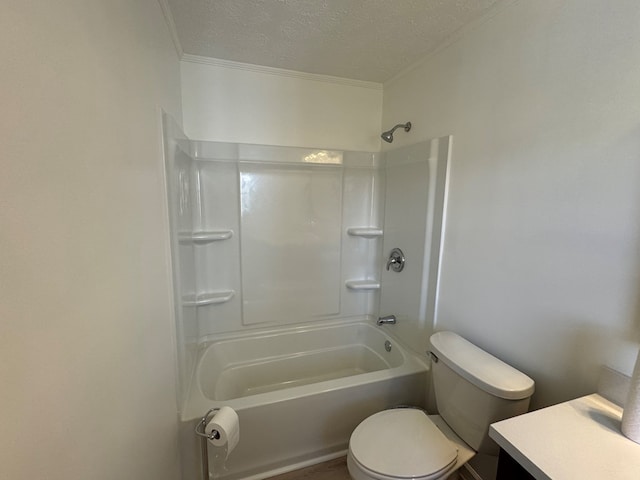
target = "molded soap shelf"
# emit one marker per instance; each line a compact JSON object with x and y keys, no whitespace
{"x":363,"y":285}
{"x":366,"y":232}
{"x":205,"y":237}
{"x":210,"y":298}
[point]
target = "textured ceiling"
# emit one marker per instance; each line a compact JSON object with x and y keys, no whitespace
{"x":369,"y":40}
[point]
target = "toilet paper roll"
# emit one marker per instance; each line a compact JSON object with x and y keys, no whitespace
{"x":631,"y":412}
{"x":227,"y":424}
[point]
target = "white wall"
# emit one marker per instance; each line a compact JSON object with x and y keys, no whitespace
{"x":244,"y":104}
{"x":541,"y":259}
{"x":86,"y":349}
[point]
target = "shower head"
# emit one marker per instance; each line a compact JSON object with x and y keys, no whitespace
{"x":388,"y":135}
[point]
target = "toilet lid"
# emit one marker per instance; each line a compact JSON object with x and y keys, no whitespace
{"x":402,"y":443}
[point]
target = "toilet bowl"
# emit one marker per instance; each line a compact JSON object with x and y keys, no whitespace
{"x":472,"y":389}
{"x":405,"y":443}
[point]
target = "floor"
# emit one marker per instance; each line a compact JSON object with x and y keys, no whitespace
{"x":331,"y":470}
{"x":337,"y":470}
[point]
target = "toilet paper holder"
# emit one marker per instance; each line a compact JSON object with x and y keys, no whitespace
{"x":202,"y":424}
{"x":204,"y":451}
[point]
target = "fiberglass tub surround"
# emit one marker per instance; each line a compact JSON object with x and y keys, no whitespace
{"x":269,"y":236}
{"x":287,"y":256}
{"x":278,"y":278}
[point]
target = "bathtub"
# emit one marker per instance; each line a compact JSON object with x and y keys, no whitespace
{"x":300,"y":392}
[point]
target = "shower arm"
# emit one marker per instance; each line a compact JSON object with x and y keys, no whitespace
{"x":406,"y":126}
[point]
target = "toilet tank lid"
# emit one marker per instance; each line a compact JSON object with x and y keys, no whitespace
{"x":481,"y":368}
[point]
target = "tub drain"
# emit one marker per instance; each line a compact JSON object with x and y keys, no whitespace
{"x":387,"y":346}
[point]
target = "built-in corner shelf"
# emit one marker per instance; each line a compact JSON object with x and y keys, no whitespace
{"x":210,"y":298}
{"x":363,"y":285}
{"x":205,"y":237}
{"x":365,"y":232}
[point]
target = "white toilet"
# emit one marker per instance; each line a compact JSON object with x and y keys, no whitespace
{"x":473,"y":389}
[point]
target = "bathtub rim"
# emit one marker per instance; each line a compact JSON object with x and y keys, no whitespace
{"x":196,"y":403}
{"x":274,"y":330}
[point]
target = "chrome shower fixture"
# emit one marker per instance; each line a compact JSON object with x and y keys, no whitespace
{"x":388,"y":135}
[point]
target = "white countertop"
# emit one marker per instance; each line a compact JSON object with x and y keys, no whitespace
{"x":576,"y":439}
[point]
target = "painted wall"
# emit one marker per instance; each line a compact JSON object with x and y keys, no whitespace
{"x":541,"y":262}
{"x":239,"y":103}
{"x":86,"y":348}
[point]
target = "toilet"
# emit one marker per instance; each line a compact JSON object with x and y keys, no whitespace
{"x":473,"y":389}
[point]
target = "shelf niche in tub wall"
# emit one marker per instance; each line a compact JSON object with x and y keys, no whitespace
{"x":210,"y":298}
{"x":205,"y":237}
{"x":365,"y":232}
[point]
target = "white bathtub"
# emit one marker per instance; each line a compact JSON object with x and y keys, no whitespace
{"x":300,"y":392}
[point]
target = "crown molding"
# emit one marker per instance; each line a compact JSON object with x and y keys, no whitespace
{"x":217,"y":62}
{"x":168,"y":16}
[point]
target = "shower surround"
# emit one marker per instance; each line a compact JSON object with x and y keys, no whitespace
{"x":277,"y":256}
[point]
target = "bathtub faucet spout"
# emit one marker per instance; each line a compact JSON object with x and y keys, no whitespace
{"x":389,"y":319}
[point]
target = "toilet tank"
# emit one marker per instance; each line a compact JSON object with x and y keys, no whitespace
{"x":474,"y":389}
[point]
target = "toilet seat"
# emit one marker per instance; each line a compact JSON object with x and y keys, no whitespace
{"x":401,"y":443}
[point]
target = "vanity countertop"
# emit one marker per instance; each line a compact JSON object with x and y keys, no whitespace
{"x":576,"y":439}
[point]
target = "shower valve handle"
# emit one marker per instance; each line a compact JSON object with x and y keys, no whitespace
{"x":396,"y":260}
